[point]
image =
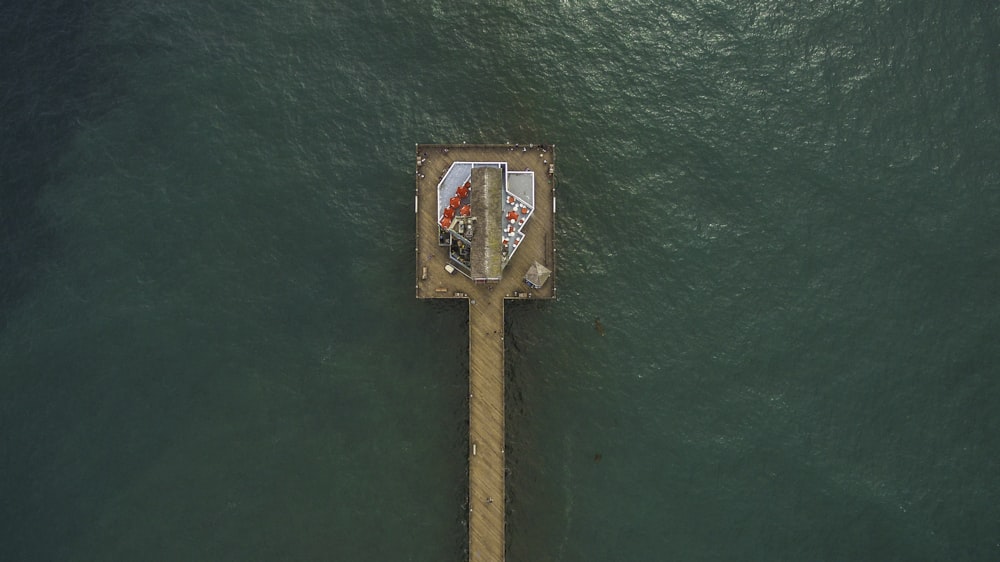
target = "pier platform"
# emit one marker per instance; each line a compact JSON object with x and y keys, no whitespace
{"x":520,"y":227}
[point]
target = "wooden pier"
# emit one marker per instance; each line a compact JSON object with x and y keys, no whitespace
{"x":486,"y":456}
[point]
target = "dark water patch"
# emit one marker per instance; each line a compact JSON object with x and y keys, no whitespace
{"x":52,"y":81}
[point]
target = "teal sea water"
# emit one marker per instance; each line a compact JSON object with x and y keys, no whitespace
{"x":785,"y":215}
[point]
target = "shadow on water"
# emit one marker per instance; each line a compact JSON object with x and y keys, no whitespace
{"x":520,"y":319}
{"x":51,"y":82}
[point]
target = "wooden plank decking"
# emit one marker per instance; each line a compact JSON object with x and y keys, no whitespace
{"x":486,"y":430}
{"x":487,"y":466}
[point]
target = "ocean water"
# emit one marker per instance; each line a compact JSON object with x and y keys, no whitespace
{"x":784,"y":214}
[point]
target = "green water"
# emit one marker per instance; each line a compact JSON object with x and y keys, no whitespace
{"x":784,"y":215}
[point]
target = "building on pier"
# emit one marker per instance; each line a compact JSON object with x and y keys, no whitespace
{"x":483,"y":208}
{"x":487,"y":211}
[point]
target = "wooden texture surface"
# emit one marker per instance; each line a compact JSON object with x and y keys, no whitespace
{"x":487,"y":466}
{"x":486,"y":429}
{"x":539,"y":242}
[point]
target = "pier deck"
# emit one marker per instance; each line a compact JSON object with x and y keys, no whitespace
{"x":487,"y":504}
{"x":487,"y":466}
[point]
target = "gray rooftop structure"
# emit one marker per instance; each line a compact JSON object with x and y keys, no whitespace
{"x":522,"y":186}
{"x":463,"y":214}
{"x":487,"y":203}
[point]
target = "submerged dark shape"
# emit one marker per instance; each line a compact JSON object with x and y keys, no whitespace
{"x":597,"y":457}
{"x":598,"y":326}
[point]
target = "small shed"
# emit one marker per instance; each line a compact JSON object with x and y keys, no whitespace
{"x":537,"y":275}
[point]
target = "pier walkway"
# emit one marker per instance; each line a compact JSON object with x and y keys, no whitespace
{"x":487,"y":465}
{"x":486,"y":429}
